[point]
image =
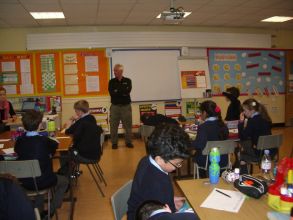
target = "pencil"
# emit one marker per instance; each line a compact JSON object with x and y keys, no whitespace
{"x":223,"y":193}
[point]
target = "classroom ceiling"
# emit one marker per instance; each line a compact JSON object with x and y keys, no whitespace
{"x":205,"y":13}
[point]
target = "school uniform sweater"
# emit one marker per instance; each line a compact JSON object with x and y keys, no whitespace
{"x":233,"y":111}
{"x":149,"y":183}
{"x":86,"y":137}
{"x":42,"y":149}
{"x":256,"y":126}
{"x":209,"y":131}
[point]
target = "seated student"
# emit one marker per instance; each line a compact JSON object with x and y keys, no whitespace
{"x":14,"y":203}
{"x":155,"y":210}
{"x":254,"y":122}
{"x":32,"y":146}
{"x":154,"y":120}
{"x":6,"y":110}
{"x":167,"y":147}
{"x":85,"y":132}
{"x":212,"y":129}
{"x":234,"y":108}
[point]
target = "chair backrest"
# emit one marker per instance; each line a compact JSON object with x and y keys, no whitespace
{"x":225,"y":147}
{"x":146,"y":131}
{"x":119,"y":200}
{"x":21,"y":168}
{"x":269,"y":141}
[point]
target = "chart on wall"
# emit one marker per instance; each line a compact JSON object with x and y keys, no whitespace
{"x":254,"y":72}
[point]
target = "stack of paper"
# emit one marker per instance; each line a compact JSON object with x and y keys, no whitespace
{"x":226,"y":200}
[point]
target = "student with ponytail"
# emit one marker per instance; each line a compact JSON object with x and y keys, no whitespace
{"x":254,"y":122}
{"x":212,"y":129}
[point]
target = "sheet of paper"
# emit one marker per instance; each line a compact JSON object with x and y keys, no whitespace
{"x":216,"y":200}
{"x":91,"y":64}
{"x":8,"y":66}
{"x":8,"y":150}
{"x":92,"y":84}
{"x":26,"y":78}
{"x":25,"y":65}
{"x":1,"y":146}
{"x":27,"y":89}
{"x":10,"y":89}
{"x":71,"y":89}
{"x":71,"y":79}
{"x":70,"y":68}
{"x":70,"y":58}
{"x":4,"y":140}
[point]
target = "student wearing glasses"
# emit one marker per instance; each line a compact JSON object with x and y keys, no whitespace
{"x":167,"y":148}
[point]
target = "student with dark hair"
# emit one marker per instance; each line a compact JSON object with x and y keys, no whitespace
{"x":254,"y":122}
{"x":212,"y":129}
{"x":154,"y":120}
{"x":155,"y":210}
{"x":234,"y":108}
{"x":33,"y":146}
{"x":167,"y":147}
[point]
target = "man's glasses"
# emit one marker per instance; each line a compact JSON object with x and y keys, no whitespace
{"x":178,"y":165}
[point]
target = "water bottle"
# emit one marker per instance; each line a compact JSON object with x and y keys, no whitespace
{"x":266,"y":165}
{"x":214,"y":168}
{"x":51,"y":128}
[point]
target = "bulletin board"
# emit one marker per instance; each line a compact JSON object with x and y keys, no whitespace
{"x":16,"y":73}
{"x":253,"y":71}
{"x":48,"y":72}
{"x":85,"y":72}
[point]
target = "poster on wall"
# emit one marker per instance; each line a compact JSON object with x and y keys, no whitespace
{"x":101,"y":115}
{"x":173,"y":109}
{"x":150,"y":109}
{"x":254,"y":72}
{"x":48,"y":72}
{"x":193,"y":79}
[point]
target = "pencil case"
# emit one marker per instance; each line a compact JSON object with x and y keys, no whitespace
{"x":251,"y":186}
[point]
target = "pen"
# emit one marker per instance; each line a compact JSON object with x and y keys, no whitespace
{"x":223,"y":193}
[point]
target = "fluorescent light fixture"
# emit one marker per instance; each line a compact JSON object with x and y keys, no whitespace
{"x":186,"y":13}
{"x":47,"y":15}
{"x":277,"y":19}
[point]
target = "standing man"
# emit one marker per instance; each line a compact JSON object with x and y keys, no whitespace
{"x":119,"y":89}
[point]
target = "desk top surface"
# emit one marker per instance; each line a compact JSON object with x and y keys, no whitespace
{"x":64,"y":140}
{"x":197,"y":190}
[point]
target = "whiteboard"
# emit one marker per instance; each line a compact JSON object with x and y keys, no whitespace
{"x":194,"y":64}
{"x":154,"y":73}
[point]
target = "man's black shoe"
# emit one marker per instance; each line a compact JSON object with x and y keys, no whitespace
{"x":114,"y":146}
{"x":129,"y":145}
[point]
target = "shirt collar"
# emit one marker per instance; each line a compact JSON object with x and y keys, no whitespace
{"x":157,"y":212}
{"x":32,"y":133}
{"x":152,"y":161}
{"x":254,"y":114}
{"x":85,"y":114}
{"x":211,"y":119}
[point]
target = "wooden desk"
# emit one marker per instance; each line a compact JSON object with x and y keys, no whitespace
{"x":64,"y":141}
{"x":196,"y":191}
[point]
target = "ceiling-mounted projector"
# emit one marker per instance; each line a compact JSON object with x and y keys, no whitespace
{"x":174,"y":14}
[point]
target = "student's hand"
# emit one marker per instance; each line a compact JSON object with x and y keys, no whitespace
{"x":179,"y":201}
{"x":14,"y":118}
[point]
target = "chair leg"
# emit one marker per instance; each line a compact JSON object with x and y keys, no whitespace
{"x":95,"y":180}
{"x":99,"y":173}
{"x":197,"y":172}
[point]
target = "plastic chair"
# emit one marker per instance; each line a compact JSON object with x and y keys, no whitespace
{"x":145,"y":132}
{"x":119,"y":200}
{"x":27,"y":169}
{"x":266,"y":142}
{"x":225,"y":147}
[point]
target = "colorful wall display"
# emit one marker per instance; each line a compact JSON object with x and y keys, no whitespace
{"x":254,"y":72}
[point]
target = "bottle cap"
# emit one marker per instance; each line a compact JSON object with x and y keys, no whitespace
{"x":236,"y":170}
{"x":267,"y":151}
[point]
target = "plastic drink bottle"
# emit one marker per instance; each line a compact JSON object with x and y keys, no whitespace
{"x":266,"y":165}
{"x":214,"y":168}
